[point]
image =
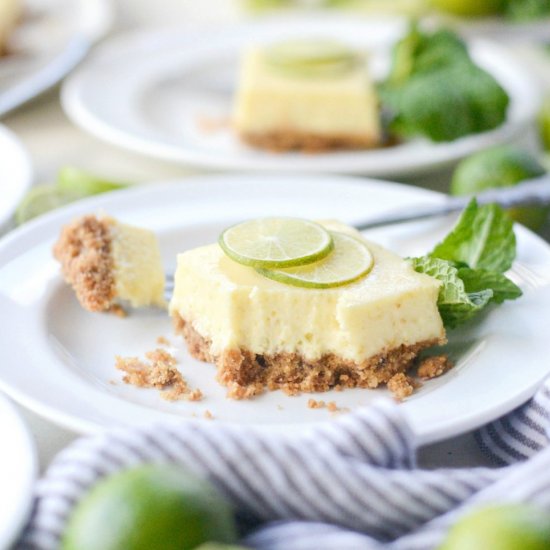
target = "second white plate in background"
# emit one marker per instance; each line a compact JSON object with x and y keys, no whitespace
{"x":169,"y":94}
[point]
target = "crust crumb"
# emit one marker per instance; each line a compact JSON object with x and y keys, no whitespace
{"x":195,"y":395}
{"x":332,"y":407}
{"x":308,"y":142}
{"x":210,"y":125}
{"x":160,"y":372}
{"x":401,"y":386}
{"x":118,"y":310}
{"x":84,"y":252}
{"x":236,"y":391}
{"x":162,"y":341}
{"x":208,"y":415}
{"x":314,"y":404}
{"x":432,"y":367}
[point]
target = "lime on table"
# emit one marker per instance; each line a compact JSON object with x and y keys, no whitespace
{"x":72,"y":184}
{"x":470,"y":8}
{"x":84,"y":183}
{"x":544,"y":124}
{"x":154,"y":506}
{"x":276,"y":242}
{"x":502,"y":166}
{"x":42,"y":199}
{"x":349,"y":261}
{"x":505,"y":527}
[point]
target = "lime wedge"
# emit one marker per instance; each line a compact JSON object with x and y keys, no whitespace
{"x":314,"y":57}
{"x":276,"y":242}
{"x":349,"y":261}
{"x":42,"y":199}
{"x":86,"y":184}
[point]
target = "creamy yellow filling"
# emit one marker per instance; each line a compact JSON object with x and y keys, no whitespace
{"x":270,"y":101}
{"x":235,"y":307}
{"x":138,"y":271}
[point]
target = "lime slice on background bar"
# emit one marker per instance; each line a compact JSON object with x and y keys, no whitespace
{"x":276,"y":242}
{"x":349,"y":261}
{"x":313,"y":57}
{"x":42,"y":199}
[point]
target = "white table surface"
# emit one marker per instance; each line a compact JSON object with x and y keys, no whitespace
{"x":53,"y":142}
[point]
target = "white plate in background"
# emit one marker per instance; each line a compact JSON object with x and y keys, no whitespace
{"x":52,"y":38}
{"x":58,"y":359}
{"x":168,"y":94}
{"x":18,"y":468}
{"x":15,"y":173}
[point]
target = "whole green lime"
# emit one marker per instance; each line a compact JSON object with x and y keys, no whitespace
{"x":470,"y":8}
{"x":502,"y":166}
{"x":153,"y":506}
{"x":544,"y":124}
{"x":219,"y":546}
{"x":505,"y":527}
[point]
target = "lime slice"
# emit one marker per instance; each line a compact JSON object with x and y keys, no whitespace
{"x":276,"y":242}
{"x":315,"y":57}
{"x":349,"y":261}
{"x":42,"y":199}
{"x":86,"y":184}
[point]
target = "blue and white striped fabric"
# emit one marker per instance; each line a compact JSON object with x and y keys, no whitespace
{"x":348,"y":484}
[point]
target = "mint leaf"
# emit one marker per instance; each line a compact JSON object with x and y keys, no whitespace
{"x":434,"y":89}
{"x":477,"y":280}
{"x":483,"y":238}
{"x":456,"y":305}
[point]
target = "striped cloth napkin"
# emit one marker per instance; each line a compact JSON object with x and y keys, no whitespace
{"x":347,"y":484}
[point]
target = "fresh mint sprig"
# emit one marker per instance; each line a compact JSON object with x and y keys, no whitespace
{"x":471,"y":261}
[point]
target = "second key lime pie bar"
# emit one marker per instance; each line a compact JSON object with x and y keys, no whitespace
{"x":311,"y":95}
{"x":355,"y":317}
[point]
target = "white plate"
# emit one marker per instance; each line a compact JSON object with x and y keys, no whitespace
{"x":15,"y":173}
{"x":152,"y":92}
{"x":53,"y":37}
{"x":18,"y":468}
{"x":58,"y":359}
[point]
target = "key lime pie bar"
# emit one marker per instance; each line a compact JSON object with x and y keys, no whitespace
{"x":10,"y":13}
{"x":108,"y":262}
{"x":290,"y":304}
{"x":311,"y":95}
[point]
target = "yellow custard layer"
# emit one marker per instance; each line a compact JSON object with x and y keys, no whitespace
{"x":269,"y":101}
{"x":138,"y":271}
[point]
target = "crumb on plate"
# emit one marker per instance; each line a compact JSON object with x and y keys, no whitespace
{"x":434,"y":366}
{"x":401,"y":386}
{"x":158,"y":371}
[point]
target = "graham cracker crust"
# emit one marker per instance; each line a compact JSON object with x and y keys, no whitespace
{"x":289,"y":140}
{"x":246,"y":374}
{"x":84,"y":251}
